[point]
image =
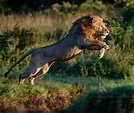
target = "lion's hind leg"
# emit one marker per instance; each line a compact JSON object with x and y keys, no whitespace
{"x":41,"y":72}
{"x":23,"y":76}
{"x":31,"y":70}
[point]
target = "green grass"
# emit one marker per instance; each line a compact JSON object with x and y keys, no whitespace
{"x":74,"y":92}
{"x":115,"y":100}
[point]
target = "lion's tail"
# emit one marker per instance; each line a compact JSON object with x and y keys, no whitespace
{"x":24,"y":56}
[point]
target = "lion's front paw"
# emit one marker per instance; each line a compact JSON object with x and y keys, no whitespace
{"x":106,"y":46}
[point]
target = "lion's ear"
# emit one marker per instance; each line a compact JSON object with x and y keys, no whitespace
{"x":86,"y":21}
{"x":96,"y":19}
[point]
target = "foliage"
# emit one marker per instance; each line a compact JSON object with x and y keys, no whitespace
{"x":93,"y":6}
{"x":64,"y":8}
{"x":31,"y":5}
{"x":122,"y":31}
{"x":116,"y":100}
{"x":46,"y":97}
{"x":15,"y":40}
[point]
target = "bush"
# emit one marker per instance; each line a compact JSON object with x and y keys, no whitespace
{"x":13,"y":41}
{"x":32,"y":5}
{"x":116,"y":100}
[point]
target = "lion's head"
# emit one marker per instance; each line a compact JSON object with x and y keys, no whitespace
{"x":92,"y":27}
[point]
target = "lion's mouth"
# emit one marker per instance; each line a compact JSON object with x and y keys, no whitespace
{"x":103,"y":36}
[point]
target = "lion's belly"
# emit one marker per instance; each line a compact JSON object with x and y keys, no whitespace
{"x":64,"y":56}
{"x":62,"y":50}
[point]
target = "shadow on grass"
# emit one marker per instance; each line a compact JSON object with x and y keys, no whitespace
{"x":114,"y":100}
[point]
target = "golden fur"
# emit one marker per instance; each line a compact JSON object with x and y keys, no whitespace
{"x":83,"y":34}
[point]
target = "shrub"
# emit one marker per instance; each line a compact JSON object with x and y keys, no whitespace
{"x":116,"y":100}
{"x":32,"y":5}
{"x":13,"y":41}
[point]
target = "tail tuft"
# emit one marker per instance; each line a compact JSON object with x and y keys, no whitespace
{"x":5,"y":75}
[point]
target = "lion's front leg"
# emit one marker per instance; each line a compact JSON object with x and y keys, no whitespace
{"x":102,"y":50}
{"x":101,"y":53}
{"x":102,"y":46}
{"x":95,"y":44}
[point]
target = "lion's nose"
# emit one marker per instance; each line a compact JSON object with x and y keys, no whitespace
{"x":108,"y":31}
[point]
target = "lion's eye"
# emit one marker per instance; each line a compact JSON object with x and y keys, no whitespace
{"x":101,"y":26}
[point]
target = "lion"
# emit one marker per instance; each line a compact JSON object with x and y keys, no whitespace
{"x":84,"y":34}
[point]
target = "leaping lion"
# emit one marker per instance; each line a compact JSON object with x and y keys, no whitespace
{"x":84,"y":33}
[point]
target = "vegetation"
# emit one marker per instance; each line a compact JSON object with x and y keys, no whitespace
{"x":83,"y":84}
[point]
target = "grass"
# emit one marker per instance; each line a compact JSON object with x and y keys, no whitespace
{"x":51,"y":92}
{"x":46,"y":95}
{"x":115,"y":100}
{"x":42,"y":22}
